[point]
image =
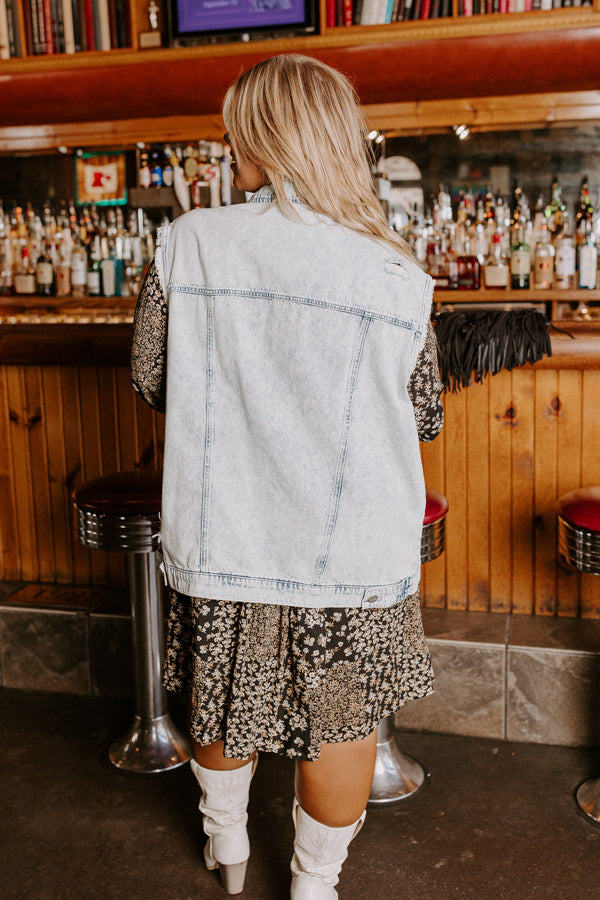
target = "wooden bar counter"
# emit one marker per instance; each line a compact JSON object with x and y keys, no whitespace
{"x":509,"y":448}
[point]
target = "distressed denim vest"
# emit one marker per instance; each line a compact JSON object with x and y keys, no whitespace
{"x":292,"y":472}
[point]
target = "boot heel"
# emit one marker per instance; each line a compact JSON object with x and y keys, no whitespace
{"x":233,"y":877}
{"x":209,"y":861}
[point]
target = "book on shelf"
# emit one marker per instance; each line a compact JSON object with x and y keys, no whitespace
{"x":341,"y":13}
{"x":68,"y":26}
{"x":490,"y":7}
{"x":383,"y":12}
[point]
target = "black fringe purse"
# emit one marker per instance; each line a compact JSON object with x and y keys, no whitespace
{"x":476,"y":343}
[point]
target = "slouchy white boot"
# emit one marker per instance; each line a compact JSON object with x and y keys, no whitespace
{"x":224,"y":804}
{"x":319,"y":852}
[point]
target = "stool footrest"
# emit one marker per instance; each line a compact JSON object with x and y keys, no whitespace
{"x":150,"y":745}
{"x":396,"y":776}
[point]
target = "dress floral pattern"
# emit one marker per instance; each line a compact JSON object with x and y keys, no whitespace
{"x":286,"y":679}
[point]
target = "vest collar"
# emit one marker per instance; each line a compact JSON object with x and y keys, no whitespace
{"x":266,"y":194}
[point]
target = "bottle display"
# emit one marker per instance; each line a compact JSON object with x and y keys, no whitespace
{"x":198,"y":172}
{"x":466,"y":241}
{"x":69,"y":252}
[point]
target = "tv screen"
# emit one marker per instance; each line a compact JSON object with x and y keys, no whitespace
{"x":193,"y":20}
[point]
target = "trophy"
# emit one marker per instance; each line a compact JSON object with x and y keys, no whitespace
{"x":152,"y":38}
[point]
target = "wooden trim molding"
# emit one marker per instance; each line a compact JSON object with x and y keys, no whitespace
{"x":414,"y":117}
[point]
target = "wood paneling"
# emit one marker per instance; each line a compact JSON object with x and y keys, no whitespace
{"x":58,"y":427}
{"x":511,"y":447}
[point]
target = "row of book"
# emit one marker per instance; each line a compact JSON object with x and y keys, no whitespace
{"x":382,"y":12}
{"x":64,"y":26}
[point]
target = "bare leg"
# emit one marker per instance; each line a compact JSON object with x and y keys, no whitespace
{"x":335,"y":788}
{"x":211,"y":757}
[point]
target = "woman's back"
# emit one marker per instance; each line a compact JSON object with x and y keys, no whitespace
{"x":291,"y":343}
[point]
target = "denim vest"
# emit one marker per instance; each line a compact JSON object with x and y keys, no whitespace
{"x":292,"y":472}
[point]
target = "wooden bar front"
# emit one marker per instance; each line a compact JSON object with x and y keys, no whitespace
{"x":509,"y":448}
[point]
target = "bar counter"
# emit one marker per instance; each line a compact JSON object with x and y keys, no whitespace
{"x":510,"y":447}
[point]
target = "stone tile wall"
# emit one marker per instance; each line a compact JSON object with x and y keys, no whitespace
{"x":523,"y":678}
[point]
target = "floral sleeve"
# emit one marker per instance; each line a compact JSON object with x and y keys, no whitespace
{"x":149,"y":350}
{"x":425,"y":388}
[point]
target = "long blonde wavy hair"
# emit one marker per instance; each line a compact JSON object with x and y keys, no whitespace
{"x":299,"y":120}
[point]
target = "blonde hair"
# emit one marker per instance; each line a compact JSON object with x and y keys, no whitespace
{"x":299,"y":120}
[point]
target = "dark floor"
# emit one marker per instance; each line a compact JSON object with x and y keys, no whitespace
{"x":497,"y":821}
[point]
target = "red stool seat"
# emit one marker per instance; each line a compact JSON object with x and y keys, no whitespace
{"x":433,"y":534}
{"x":581,"y":508}
{"x":122,"y":494}
{"x":436,"y":507}
{"x":578,"y":529}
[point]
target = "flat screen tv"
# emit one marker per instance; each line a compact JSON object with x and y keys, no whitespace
{"x":204,"y":21}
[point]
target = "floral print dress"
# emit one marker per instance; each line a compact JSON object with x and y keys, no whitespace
{"x":277,"y":678}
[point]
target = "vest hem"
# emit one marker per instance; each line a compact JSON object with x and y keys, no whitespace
{"x":280,"y":592}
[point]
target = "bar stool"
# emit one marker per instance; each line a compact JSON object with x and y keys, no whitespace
{"x":398,"y":776}
{"x":121,"y":512}
{"x":579,"y":547}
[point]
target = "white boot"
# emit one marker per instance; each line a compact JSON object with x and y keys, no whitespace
{"x":224,"y":804}
{"x":319,"y":852}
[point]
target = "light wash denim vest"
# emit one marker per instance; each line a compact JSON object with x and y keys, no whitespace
{"x":292,"y":472}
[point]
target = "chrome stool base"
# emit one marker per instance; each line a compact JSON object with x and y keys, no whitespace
{"x":150,"y":745}
{"x":588,"y":799}
{"x":397,"y":776}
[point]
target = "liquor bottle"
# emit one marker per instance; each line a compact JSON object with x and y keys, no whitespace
{"x":225,"y":168}
{"x":555,"y":210}
{"x":156,"y":172}
{"x":449,"y":265}
{"x":6,"y":271}
{"x":520,"y":261}
{"x":539,"y":220}
{"x":63,"y":270}
{"x":93,"y":271}
{"x":543,"y":262}
{"x":78,"y":270}
{"x":564,"y":260}
{"x":468,"y":269}
{"x":6,"y":267}
{"x":111,"y":268}
{"x":496,"y":271}
{"x":167,"y":166}
{"x":144,"y":173}
{"x":24,"y":273}
{"x":44,"y":273}
{"x":444,"y":203}
{"x":435,"y":261}
{"x":584,"y":212}
{"x":480,"y":239}
{"x":587,"y":262}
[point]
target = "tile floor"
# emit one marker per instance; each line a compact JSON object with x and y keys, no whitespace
{"x":497,"y":820}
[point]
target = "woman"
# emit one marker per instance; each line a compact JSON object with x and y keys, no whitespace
{"x":302,"y":370}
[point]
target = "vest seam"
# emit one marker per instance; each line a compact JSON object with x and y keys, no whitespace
{"x":209,"y":406}
{"x":341,"y":465}
{"x":308,"y":301}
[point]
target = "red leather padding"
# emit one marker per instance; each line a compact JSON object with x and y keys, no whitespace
{"x":581,"y":508}
{"x":436,"y":507}
{"x":122,"y":494}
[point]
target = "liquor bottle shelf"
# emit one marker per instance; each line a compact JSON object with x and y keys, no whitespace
{"x":506,"y":295}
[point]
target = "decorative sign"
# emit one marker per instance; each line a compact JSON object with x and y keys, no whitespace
{"x":100,"y":179}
